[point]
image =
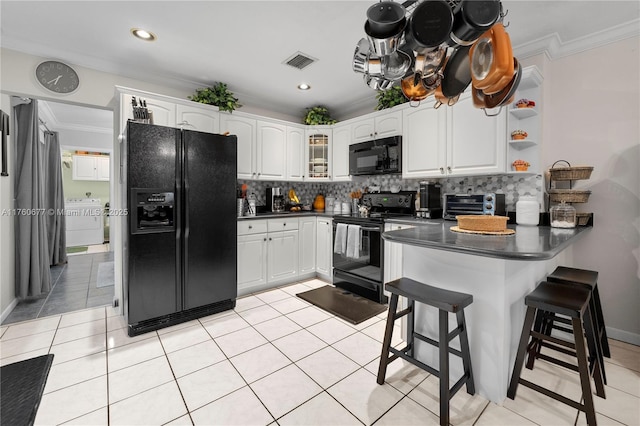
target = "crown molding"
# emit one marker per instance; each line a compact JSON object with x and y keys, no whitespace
{"x":553,"y":47}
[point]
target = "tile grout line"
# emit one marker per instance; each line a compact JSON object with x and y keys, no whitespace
{"x":241,"y":376}
{"x":175,"y":379}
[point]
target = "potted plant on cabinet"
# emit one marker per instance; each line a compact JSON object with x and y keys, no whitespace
{"x":390,"y":98}
{"x":218,"y":95}
{"x":318,"y":115}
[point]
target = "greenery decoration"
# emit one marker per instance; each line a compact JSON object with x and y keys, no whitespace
{"x":218,"y":95}
{"x":390,"y":98}
{"x":318,"y":115}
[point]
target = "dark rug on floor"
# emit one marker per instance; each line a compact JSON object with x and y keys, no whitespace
{"x":22,"y":384}
{"x":343,"y":304}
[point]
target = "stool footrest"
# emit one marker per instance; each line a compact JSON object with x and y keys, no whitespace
{"x":402,"y":313}
{"x":558,"y":349}
{"x":555,"y":340}
{"x":436,"y":344}
{"x":452,"y":391}
{"x":552,"y":394}
{"x":398,"y":353}
{"x":558,"y":362}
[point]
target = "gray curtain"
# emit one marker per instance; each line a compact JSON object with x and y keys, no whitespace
{"x":32,"y":248}
{"x":54,"y":200}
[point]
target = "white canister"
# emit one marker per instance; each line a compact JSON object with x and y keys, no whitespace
{"x":527,"y":211}
{"x":346,"y":208}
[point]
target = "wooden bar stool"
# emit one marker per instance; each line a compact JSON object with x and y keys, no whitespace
{"x":572,"y":302}
{"x":446,"y":301}
{"x":588,"y":279}
{"x":546,"y":322}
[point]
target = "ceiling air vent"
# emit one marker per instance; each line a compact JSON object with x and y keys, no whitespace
{"x":299,"y":60}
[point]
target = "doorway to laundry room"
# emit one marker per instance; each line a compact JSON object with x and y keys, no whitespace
{"x":85,"y":277}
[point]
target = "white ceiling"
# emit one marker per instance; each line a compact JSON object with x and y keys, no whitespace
{"x":243,"y":43}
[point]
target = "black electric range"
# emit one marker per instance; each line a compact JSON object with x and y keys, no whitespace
{"x":361,"y":271}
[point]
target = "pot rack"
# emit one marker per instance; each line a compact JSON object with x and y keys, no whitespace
{"x":450,"y":48}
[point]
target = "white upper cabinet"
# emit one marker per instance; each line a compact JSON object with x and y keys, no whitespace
{"x":197,"y":118}
{"x":163,"y":113}
{"x":245,"y":130}
{"x":272,"y":144}
{"x":340,"y":154}
{"x":171,"y":112}
{"x":295,"y":153}
{"x":424,"y":142}
{"x":387,"y":123}
{"x":448,"y":141}
{"x":318,"y":158}
{"x":476,"y":143}
{"x":90,"y":167}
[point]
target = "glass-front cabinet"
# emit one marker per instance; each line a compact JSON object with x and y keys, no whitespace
{"x":318,"y":163}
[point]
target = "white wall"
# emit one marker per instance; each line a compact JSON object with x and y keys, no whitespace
{"x":7,"y":248}
{"x":592,"y":117}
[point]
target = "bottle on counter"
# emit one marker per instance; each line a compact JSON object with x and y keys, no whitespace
{"x":563,"y":216}
{"x":527,"y":211}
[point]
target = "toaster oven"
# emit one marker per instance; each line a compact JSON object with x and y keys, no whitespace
{"x":486,"y":203}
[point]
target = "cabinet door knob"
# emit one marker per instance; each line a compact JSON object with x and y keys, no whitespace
{"x":265,"y":239}
{"x":284,"y":224}
{"x":442,"y":170}
{"x":449,"y":168}
{"x":270,"y":239}
{"x":250,"y":227}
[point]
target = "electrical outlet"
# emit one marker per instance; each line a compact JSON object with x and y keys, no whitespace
{"x":116,"y":303}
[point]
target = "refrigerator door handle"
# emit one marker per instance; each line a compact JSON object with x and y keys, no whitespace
{"x":185,"y":216}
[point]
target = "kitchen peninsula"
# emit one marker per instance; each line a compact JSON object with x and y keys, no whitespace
{"x":499,"y":271}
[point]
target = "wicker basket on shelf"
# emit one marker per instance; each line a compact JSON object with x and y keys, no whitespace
{"x":568,"y":195}
{"x":571,"y":173}
{"x":582,"y":219}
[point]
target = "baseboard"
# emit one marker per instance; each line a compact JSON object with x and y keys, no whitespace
{"x":9,"y":309}
{"x":623,"y":336}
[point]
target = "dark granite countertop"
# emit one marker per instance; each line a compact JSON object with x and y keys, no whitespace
{"x":277,"y":215}
{"x":528,"y":243}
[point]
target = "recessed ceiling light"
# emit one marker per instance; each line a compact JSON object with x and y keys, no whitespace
{"x":143,"y":34}
{"x":304,"y":86}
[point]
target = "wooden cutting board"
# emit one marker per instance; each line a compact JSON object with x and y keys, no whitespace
{"x":465,"y":231}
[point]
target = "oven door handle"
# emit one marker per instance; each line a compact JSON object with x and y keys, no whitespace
{"x":370,"y":229}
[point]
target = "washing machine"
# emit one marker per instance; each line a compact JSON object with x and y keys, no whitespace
{"x":85,"y":221}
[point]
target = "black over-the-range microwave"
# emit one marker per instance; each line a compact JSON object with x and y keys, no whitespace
{"x":379,"y":156}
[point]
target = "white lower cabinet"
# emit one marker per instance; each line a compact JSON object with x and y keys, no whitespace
{"x":307,"y":241}
{"x":282,"y":249}
{"x":252,"y":255}
{"x":267,"y":253}
{"x":324,"y":244}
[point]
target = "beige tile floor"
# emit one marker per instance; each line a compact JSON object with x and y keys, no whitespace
{"x":273,"y":360}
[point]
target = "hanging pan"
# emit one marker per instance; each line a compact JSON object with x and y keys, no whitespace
{"x":456,"y":77}
{"x":491,"y":59}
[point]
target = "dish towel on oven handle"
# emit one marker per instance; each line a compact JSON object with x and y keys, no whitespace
{"x":353,"y":241}
{"x":340,"y":243}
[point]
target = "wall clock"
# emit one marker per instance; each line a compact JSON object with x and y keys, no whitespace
{"x":57,"y":77}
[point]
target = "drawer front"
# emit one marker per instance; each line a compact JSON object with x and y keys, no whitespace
{"x":285,"y":224}
{"x":247,"y":227}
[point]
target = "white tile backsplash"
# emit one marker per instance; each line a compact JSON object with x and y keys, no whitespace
{"x":512,"y":185}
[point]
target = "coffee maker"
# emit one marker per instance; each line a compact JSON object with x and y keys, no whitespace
{"x":430,"y":201}
{"x":275,"y":200}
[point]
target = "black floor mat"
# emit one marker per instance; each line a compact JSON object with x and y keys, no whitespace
{"x":343,"y":304}
{"x":22,"y":384}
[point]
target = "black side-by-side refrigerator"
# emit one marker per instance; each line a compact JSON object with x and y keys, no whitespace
{"x":181,"y":247}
